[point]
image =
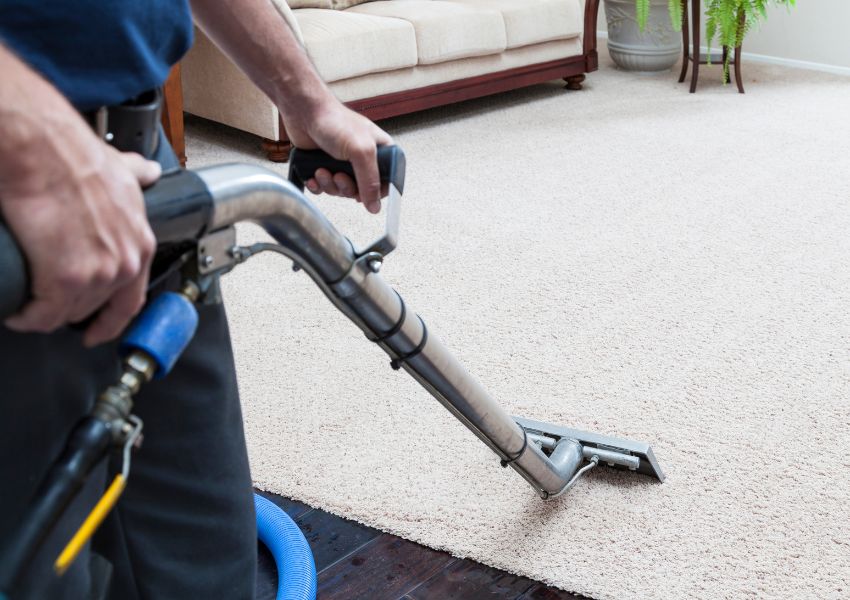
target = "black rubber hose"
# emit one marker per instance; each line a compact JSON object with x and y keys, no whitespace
{"x":87,"y":445}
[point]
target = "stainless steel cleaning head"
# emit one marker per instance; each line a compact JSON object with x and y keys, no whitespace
{"x":613,"y":452}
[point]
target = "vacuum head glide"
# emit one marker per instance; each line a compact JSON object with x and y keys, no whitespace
{"x":611,"y":451}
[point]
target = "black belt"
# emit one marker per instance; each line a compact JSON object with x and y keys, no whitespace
{"x":131,"y":126}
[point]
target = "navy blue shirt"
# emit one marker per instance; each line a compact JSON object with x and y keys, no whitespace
{"x":98,"y":52}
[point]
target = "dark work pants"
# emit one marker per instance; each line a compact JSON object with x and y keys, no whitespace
{"x":185,"y":526}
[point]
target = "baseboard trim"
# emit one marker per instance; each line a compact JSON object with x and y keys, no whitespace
{"x":796,"y":64}
{"x":776,"y":60}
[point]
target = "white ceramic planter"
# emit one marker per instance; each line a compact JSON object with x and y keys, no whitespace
{"x":657,"y":48}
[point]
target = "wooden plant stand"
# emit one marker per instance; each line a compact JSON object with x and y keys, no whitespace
{"x":694,"y":56}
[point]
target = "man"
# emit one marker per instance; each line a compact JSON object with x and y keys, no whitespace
{"x":185,"y":526}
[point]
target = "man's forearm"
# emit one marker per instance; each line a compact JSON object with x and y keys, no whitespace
{"x":257,"y":38}
{"x":260,"y":42}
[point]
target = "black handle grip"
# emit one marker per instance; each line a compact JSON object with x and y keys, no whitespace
{"x":304,"y":163}
{"x":178,"y":208}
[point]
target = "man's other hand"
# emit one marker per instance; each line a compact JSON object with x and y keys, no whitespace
{"x":345,"y":135}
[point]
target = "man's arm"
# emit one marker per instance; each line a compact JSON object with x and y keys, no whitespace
{"x":255,"y":36}
{"x":75,"y":207}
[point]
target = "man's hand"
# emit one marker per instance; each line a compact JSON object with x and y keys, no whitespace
{"x":75,"y":207}
{"x":88,"y":245}
{"x":345,"y":135}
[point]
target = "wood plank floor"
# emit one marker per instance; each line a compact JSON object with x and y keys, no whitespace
{"x":355,"y":562}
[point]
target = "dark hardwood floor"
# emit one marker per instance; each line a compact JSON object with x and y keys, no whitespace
{"x":355,"y":562}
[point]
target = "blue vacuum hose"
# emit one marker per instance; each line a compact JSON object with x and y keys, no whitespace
{"x":296,"y":571}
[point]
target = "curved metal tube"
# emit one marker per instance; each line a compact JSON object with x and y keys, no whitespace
{"x":250,"y":193}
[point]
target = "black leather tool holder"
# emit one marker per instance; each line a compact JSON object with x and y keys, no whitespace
{"x":132,"y":126}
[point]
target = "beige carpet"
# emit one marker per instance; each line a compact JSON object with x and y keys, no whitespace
{"x":629,"y":259}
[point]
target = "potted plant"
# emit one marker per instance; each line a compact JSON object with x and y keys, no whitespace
{"x":643,"y":35}
{"x":642,"y":38}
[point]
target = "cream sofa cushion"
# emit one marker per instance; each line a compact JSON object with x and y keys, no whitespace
{"x":444,"y":30}
{"x":344,"y":44}
{"x":390,"y":82}
{"x":535,"y":21}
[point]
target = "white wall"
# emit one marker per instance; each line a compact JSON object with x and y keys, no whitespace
{"x":814,"y":31}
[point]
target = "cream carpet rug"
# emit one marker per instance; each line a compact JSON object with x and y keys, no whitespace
{"x":629,"y":259}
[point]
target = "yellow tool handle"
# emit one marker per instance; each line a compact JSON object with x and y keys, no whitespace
{"x":90,"y":525}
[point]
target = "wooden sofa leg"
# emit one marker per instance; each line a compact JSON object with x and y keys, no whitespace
{"x":574,"y":81}
{"x":277,"y":151}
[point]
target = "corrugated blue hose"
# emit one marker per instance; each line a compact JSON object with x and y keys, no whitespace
{"x":296,"y":571}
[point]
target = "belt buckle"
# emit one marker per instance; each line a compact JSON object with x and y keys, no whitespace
{"x":101,"y":124}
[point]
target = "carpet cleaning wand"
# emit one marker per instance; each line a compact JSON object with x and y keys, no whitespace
{"x":196,"y":212}
{"x":550,"y":457}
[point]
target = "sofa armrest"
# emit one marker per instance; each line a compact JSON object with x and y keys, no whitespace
{"x":286,"y":12}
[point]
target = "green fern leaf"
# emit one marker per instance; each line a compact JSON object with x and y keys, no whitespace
{"x":729,"y":21}
{"x":642,"y":10}
{"x":675,"y":9}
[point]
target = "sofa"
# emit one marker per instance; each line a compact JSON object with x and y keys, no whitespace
{"x":390,"y":57}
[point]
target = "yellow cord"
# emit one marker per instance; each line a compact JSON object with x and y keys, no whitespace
{"x":90,"y":525}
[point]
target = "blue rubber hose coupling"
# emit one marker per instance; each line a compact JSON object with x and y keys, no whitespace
{"x":163,"y":330}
